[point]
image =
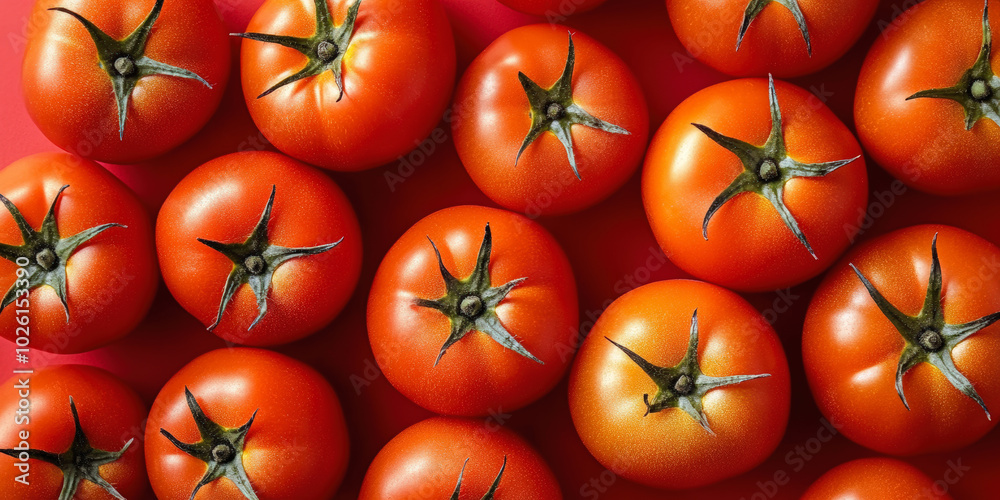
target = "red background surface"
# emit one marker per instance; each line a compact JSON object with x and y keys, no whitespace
{"x":609,"y":246}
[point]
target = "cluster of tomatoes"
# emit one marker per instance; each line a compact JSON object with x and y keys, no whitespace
{"x":505,"y":331}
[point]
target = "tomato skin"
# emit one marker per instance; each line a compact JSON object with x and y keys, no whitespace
{"x":477,"y":374}
{"x":70,"y":98}
{"x":773,"y":43}
{"x":424,"y":461}
{"x":398,"y":76}
{"x":494,"y":116}
{"x":874,"y":479}
{"x":851,"y":350}
{"x":111,"y":413}
{"x":222,"y":201}
{"x":552,"y":9}
{"x":749,"y":248}
{"x":923,"y":142}
{"x":110,"y":280}
{"x":669,"y":449}
{"x":297,"y":446}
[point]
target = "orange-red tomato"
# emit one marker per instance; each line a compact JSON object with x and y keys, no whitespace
{"x":552,"y":9}
{"x":924,"y":141}
{"x":110,"y":279}
{"x":111,"y":416}
{"x":746,"y":244}
{"x":614,"y":401}
{"x":874,"y":479}
{"x":223,"y":201}
{"x":852,"y":351}
{"x":69,"y":93}
{"x":398,"y":71}
{"x":774,"y":41}
{"x":493,"y":116}
{"x":428,"y":459}
{"x":296,"y":445}
{"x":481,"y":370}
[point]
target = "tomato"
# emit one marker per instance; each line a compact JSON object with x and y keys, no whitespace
{"x":720,"y":378}
{"x":266,"y":221}
{"x":89,"y":264}
{"x":473,"y":310}
{"x":756,"y":37}
{"x":82,"y":432}
{"x":124,"y":81}
{"x":440,"y":456}
{"x":919,"y":110}
{"x":552,"y":9}
{"x":237,"y":422}
{"x":543,"y":129}
{"x":762,"y":217}
{"x":354,"y":88}
{"x":904,"y":365}
{"x":874,"y":479}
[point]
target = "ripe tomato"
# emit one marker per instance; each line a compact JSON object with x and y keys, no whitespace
{"x":90,"y":266}
{"x":84,"y":432}
{"x":544,"y":131}
{"x":354,"y":88}
{"x":237,"y":422}
{"x":298,"y":251}
{"x":503,"y":306}
{"x":439,"y":457}
{"x":907,"y":337}
{"x":680,"y":384}
{"x":780,"y":213}
{"x":919,"y":110}
{"x":874,"y":479}
{"x":552,"y":9}
{"x":124,"y":81}
{"x":756,"y":37}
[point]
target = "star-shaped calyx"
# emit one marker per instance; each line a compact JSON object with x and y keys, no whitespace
{"x":44,"y":253}
{"x":766,"y":170}
{"x":470,"y":304}
{"x":254,"y":263}
{"x":755,"y":7}
{"x":553,"y":110}
{"x":978,"y":90}
{"x":221,"y":448}
{"x":325,"y":49}
{"x":683,"y":385}
{"x":489,"y":493}
{"x":927,"y":338}
{"x":125,"y":60}
{"x":80,"y":462}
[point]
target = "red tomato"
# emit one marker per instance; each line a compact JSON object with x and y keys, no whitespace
{"x":503,"y":306}
{"x":874,"y":479}
{"x":852,"y":350}
{"x":758,"y":37}
{"x":91,"y":280}
{"x":439,"y":456}
{"x":933,"y":144}
{"x":269,"y":421}
{"x":552,"y":9}
{"x":680,"y":384}
{"x":352,"y":94}
{"x":300,"y":258}
{"x":547,"y":121}
{"x":781,"y":211}
{"x":81,"y":421}
{"x":166,"y":69}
